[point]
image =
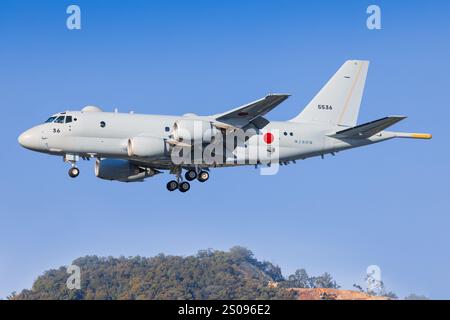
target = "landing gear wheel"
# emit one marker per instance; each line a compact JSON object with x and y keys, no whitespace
{"x":172,"y":185}
{"x":190,"y":175}
{"x":203,"y":176}
{"x":184,"y":186}
{"x":74,"y":172}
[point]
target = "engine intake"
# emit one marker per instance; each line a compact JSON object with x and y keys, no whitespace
{"x":194,"y":130}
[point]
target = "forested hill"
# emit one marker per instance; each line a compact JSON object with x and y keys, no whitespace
{"x":235,"y":274}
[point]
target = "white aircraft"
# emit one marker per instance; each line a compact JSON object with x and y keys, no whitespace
{"x":131,"y":147}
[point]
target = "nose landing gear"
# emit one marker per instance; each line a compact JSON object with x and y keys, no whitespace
{"x":74,"y":172}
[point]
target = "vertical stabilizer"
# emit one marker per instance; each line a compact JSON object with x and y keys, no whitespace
{"x":338,"y":102}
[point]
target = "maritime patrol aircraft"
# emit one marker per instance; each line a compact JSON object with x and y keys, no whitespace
{"x":131,"y":147}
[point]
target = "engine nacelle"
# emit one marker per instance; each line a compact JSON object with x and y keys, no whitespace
{"x":147,"y":147}
{"x":194,"y":130}
{"x":121,"y":170}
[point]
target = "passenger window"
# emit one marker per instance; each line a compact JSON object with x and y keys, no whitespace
{"x":60,"y":119}
{"x":68,"y":119}
{"x":167,"y":129}
{"x":102,"y":124}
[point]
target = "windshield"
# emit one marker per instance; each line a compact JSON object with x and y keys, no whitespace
{"x":60,"y":119}
{"x":50,"y":119}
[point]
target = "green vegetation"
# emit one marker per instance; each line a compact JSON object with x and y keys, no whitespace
{"x":380,"y":290}
{"x":301,"y":279}
{"x":235,"y":274}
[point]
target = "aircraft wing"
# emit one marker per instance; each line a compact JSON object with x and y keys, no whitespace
{"x":368,"y":129}
{"x":243,"y":115}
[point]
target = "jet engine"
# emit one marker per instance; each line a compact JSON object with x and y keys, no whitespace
{"x":147,"y":147}
{"x":122,"y":170}
{"x":194,"y":130}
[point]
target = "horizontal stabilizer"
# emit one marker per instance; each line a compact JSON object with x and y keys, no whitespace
{"x":368,"y":129}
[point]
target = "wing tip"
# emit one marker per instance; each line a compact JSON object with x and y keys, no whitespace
{"x":287,"y":95}
{"x":426,"y":136}
{"x":401,"y":116}
{"x":421,"y":135}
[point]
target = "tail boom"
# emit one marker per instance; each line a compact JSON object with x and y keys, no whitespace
{"x":413,"y":135}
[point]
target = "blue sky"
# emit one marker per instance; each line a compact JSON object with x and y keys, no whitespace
{"x":387,"y":204}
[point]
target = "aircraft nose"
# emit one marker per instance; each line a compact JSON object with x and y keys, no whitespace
{"x":28,"y":139}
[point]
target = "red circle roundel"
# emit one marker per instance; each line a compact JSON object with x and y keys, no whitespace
{"x":268,"y":137}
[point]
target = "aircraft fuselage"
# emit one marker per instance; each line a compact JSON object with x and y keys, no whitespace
{"x":105,"y":135}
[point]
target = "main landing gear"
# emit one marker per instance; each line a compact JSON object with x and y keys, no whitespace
{"x":203,"y":176}
{"x":190,"y":175}
{"x":174,"y":185}
{"x":182,"y":186}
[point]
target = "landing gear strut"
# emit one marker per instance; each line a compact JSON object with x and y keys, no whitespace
{"x":74,"y":171}
{"x":179,"y":184}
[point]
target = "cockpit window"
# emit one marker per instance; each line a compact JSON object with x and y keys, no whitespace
{"x":68,"y":119}
{"x":60,"y":119}
{"x":50,"y":119}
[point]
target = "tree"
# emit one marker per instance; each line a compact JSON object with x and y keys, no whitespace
{"x":241,"y":253}
{"x":378,"y":290}
{"x":11,"y":296}
{"x":208,"y":275}
{"x":325,"y":281}
{"x":358,"y":287}
{"x":414,"y":296}
{"x":301,"y":279}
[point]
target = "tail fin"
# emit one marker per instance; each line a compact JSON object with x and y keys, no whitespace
{"x":338,"y":102}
